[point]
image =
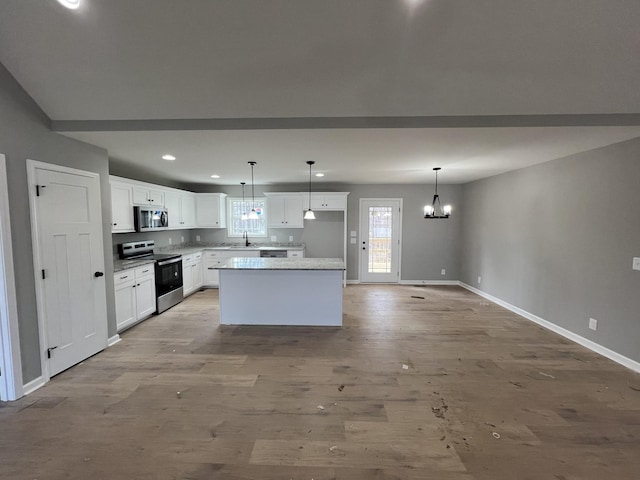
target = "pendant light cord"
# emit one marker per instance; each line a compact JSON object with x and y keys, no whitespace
{"x":310,"y":186}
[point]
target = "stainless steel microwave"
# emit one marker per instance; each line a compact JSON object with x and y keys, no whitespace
{"x":148,"y":219}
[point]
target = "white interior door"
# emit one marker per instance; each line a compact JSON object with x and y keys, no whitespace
{"x":72,"y":303}
{"x":380,"y":227}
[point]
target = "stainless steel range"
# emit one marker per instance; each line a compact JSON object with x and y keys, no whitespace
{"x":168,"y":271}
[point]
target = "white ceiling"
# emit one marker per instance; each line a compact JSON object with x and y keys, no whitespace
{"x":116,"y":60}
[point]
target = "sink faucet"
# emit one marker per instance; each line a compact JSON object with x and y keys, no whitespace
{"x":245,"y":235}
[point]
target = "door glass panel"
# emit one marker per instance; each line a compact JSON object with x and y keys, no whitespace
{"x":380,"y":236}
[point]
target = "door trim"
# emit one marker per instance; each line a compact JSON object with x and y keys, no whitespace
{"x":32,"y":165}
{"x":11,"y":387}
{"x":360,"y":223}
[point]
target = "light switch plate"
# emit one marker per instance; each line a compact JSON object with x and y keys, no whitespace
{"x":197,"y":238}
{"x":443,"y":272}
{"x":636,"y":263}
{"x":593,"y":324}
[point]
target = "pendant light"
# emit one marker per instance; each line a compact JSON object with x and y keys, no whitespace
{"x":309,"y":215}
{"x":244,"y":215}
{"x":436,"y":210}
{"x":253,"y":215}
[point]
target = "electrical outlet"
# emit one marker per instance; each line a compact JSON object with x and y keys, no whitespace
{"x":636,"y":263}
{"x":291,"y":238}
{"x":479,"y":279}
{"x":181,"y":239}
{"x":593,"y":324}
{"x":197,"y":238}
{"x":443,"y":272}
{"x":353,"y":241}
{"x":273,"y":238}
{"x":169,"y":240}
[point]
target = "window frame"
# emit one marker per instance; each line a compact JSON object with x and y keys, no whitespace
{"x":231,"y":232}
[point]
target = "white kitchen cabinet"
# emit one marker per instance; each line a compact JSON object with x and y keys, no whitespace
{"x":121,"y":207}
{"x":135,"y":295}
{"x":326,"y":200}
{"x":143,"y":195}
{"x":284,"y":210}
{"x":191,"y":273}
{"x":210,"y":259}
{"x":181,"y":207}
{"x":295,"y":253}
{"x":211,"y":210}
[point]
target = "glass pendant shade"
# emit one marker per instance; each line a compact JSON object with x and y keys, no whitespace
{"x":309,"y":215}
{"x":253,"y":215}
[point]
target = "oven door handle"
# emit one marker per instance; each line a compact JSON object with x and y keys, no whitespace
{"x":169,"y":261}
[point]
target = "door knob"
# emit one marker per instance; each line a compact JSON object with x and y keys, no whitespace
{"x":98,"y":274}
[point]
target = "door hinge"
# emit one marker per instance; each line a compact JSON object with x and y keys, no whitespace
{"x":44,"y":275}
{"x":49,"y":351}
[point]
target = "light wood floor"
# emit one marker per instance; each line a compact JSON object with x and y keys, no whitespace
{"x":484,"y":395}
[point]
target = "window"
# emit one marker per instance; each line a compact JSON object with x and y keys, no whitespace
{"x":236,"y":226}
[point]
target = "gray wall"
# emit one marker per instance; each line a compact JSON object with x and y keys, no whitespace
{"x":25,"y":134}
{"x":427,"y":245}
{"x":557,"y":240}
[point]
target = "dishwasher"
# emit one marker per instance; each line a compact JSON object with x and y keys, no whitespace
{"x":273,"y":254}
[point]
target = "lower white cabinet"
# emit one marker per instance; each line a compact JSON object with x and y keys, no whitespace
{"x":295,"y":253}
{"x":191,"y":273}
{"x":211,"y":258}
{"x":135,"y":292}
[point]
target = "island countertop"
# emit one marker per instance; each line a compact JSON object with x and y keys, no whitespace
{"x":243,"y":263}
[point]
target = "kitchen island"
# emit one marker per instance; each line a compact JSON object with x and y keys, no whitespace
{"x":281,"y":291}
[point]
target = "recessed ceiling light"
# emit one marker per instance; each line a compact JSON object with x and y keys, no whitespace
{"x":319,"y":174}
{"x":168,"y":157}
{"x":72,"y":4}
{"x":215,"y":176}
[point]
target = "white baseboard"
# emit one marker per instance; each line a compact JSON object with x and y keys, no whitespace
{"x":33,"y":385}
{"x":429,"y":282}
{"x":585,"y":342}
{"x":353,"y":282}
{"x":113,"y":340}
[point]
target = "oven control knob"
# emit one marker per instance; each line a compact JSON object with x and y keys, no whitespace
{"x":98,"y":274}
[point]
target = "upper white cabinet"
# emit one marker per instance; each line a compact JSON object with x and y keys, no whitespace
{"x":326,"y":200}
{"x":181,"y":207}
{"x":211,"y":210}
{"x":121,"y":207}
{"x":284,"y":210}
{"x":143,"y":195}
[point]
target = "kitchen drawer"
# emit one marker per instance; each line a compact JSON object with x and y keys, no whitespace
{"x":144,"y":271}
{"x":295,"y":254}
{"x":123,"y":276}
{"x":186,"y":259}
{"x":197,"y":256}
{"x":212,"y":254}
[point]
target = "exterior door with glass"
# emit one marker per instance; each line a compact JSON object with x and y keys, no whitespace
{"x":380,"y":227}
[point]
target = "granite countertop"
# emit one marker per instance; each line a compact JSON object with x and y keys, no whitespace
{"x":186,"y":249}
{"x":120,"y":265}
{"x":242,"y":263}
{"x":192,"y":248}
